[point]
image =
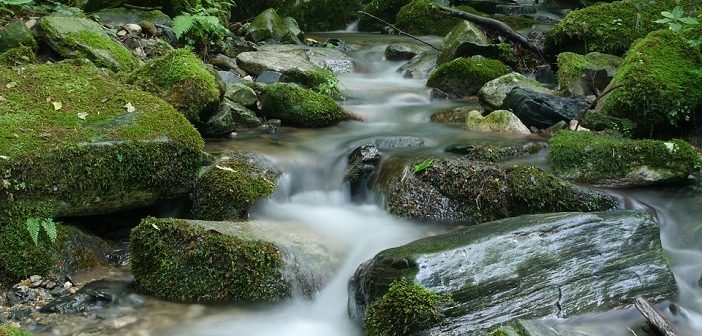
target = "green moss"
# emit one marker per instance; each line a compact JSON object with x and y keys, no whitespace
{"x":15,"y":35}
{"x":499,"y":332}
{"x":320,"y":80}
{"x":384,"y":9}
{"x":18,"y":56}
{"x":322,"y":15}
{"x":181,"y":79}
{"x":656,"y":78}
{"x":571,"y":66}
{"x":609,"y":27}
{"x":407,"y":307}
{"x":465,"y":76}
{"x":589,"y":157}
{"x":598,"y":121}
{"x":422,"y":17}
{"x":19,"y":256}
{"x":178,"y":261}
{"x":9,"y":330}
{"x":297,"y":106}
{"x":103,"y":51}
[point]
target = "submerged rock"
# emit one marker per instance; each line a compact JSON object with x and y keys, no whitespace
{"x":561,"y":264}
{"x":465,"y":76}
{"x":543,"y":110}
{"x":296,"y":106}
{"x":499,"y":121}
{"x":493,"y":93}
{"x":224,"y":262}
{"x":95,"y":295}
{"x":606,"y":160}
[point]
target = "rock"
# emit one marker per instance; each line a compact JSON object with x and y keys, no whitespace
{"x":228,"y":64}
{"x":269,"y":77}
{"x":543,"y":110}
{"x":491,"y":153}
{"x":133,"y":28}
{"x":657,"y":77}
{"x":395,"y":142}
{"x":16,"y":35}
{"x":457,"y":115}
{"x":399,"y":52}
{"x":269,"y":26}
{"x":229,"y":117}
{"x":419,"y":67}
{"x":154,"y":47}
{"x":586,"y":74}
{"x":458,"y":190}
{"x":465,"y":76}
{"x":229,"y":77}
{"x":598,"y":121}
{"x":181,"y":79}
{"x":95,"y":295}
{"x":297,"y":106}
{"x":499,"y":121}
{"x":422,"y":17}
{"x":295,"y":68}
{"x":463,"y":33}
{"x":241,"y":94}
{"x":606,"y":160}
{"x":331,"y":59}
{"x":224,"y":262}
{"x":384,"y":9}
{"x":20,"y":313}
{"x":18,"y":56}
{"x":493,"y":93}
{"x":235,"y":182}
{"x":362,"y":166}
{"x":323,"y":15}
{"x":533,"y":328}
{"x":561,"y":264}
{"x":35,"y":278}
{"x":121,"y":16}
{"x":73,"y":37}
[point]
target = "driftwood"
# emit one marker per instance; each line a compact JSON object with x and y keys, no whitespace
{"x":398,"y":30}
{"x":654,"y":318}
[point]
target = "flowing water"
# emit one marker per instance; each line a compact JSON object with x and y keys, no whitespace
{"x":312,"y":193}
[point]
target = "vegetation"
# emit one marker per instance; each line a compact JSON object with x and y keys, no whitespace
{"x":572,"y":65}
{"x":9,"y":330}
{"x":201,"y":30}
{"x":407,"y":307}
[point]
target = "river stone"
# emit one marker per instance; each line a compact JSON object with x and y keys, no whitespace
{"x":557,"y":265}
{"x":499,"y":121}
{"x":493,"y":153}
{"x":399,"y":52}
{"x":296,"y":106}
{"x":609,"y":161}
{"x":493,"y":93}
{"x":457,"y":115}
{"x":463,"y":33}
{"x":420,"y":66}
{"x":224,"y":262}
{"x":294,"y":67}
{"x":329,"y":58}
{"x":15,"y":35}
{"x":269,"y":26}
{"x":93,"y":296}
{"x":458,"y":190}
{"x":543,"y":110}
{"x":229,"y":117}
{"x":73,"y":37}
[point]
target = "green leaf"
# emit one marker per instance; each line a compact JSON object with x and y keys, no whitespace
{"x":668,"y":14}
{"x":33,"y":226}
{"x":662,"y":21}
{"x":676,"y":27}
{"x":422,"y":166}
{"x":15,"y":2}
{"x":678,"y":12}
{"x":182,"y":24}
{"x":50,"y":228}
{"x":689,"y":21}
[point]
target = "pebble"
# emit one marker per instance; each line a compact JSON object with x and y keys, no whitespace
{"x":35,"y":278}
{"x":122,"y":322}
{"x":67,"y":285}
{"x":133,"y":28}
{"x":122,"y":33}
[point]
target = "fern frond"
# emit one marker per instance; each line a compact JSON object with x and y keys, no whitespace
{"x":15,"y":2}
{"x":33,"y":226}
{"x":50,"y":229}
{"x":182,"y":24}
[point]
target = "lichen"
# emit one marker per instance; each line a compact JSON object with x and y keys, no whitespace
{"x":407,"y":307}
{"x":297,"y":106}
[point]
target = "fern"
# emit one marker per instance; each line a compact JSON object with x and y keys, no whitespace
{"x":50,"y":229}
{"x":15,"y":2}
{"x":34,"y":225}
{"x":200,"y":29}
{"x":182,"y":24}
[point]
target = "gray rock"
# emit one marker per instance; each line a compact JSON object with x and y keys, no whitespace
{"x":14,"y":35}
{"x":242,"y":94}
{"x":362,"y":165}
{"x":463,"y":33}
{"x":93,"y":296}
{"x":229,"y":77}
{"x":543,"y":110}
{"x":399,"y":52}
{"x":226,"y":63}
{"x":561,"y":265}
{"x":269,"y":26}
{"x":492,"y":153}
{"x":294,"y":67}
{"x":329,"y":58}
{"x":229,"y":117}
{"x":269,"y":77}
{"x":493,"y":93}
{"x":499,"y":121}
{"x":121,"y":16}
{"x":420,"y":66}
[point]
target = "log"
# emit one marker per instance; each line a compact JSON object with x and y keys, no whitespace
{"x":655,"y":318}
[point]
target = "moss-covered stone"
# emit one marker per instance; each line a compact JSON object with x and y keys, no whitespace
{"x":572,"y":67}
{"x":462,"y":34}
{"x":297,"y":106}
{"x":609,"y":28}
{"x":384,"y":9}
{"x":499,"y":121}
{"x":121,"y":16}
{"x":18,"y":56}
{"x":493,"y":153}
{"x":181,"y":79}
{"x":73,"y":37}
{"x":269,"y":26}
{"x":494,"y":92}
{"x":422,"y":17}
{"x":406,"y":308}
{"x":465,"y":76}
{"x":296,"y":69}
{"x":234,"y":183}
{"x":598,"y":121}
{"x":15,"y":35}
{"x":322,"y":15}
{"x":9,"y":330}
{"x":607,"y":160}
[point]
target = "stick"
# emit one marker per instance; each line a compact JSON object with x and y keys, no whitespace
{"x":594,"y":103}
{"x":141,"y":8}
{"x":398,"y":30}
{"x":654,"y":317}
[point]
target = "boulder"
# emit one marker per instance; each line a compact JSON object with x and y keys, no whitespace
{"x":605,"y":160}
{"x":296,"y":106}
{"x":73,"y":37}
{"x":493,"y":153}
{"x":419,"y":67}
{"x":122,"y":16}
{"x":464,"y":34}
{"x":465,"y":76}
{"x":241,"y":94}
{"x":16,"y":35}
{"x":229,"y":117}
{"x":543,"y":110}
{"x":269,"y":26}
{"x":459,"y":190}
{"x":323,"y":15}
{"x":329,"y":58}
{"x":181,"y":79}
{"x":400,"y":52}
{"x":362,"y":165}
{"x":457,"y":115}
{"x":422,"y":17}
{"x":659,"y":85}
{"x":295,"y":68}
{"x":534,"y":266}
{"x":384,"y":9}
{"x":225,"y":262}
{"x":499,"y":121}
{"x":586,"y":74}
{"x":235,"y":182}
{"x":493,"y":93}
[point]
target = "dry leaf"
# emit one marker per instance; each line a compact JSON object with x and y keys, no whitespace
{"x":10,"y":85}
{"x":49,"y":99}
{"x":57,"y":105}
{"x":82,"y":115}
{"x":2,"y":99}
{"x":130,"y":108}
{"x":103,"y":100}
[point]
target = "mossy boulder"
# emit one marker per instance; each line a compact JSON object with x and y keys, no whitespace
{"x":15,"y":35}
{"x":234,"y":183}
{"x":384,"y":9}
{"x":323,"y":15}
{"x":181,"y":79}
{"x":269,"y":26}
{"x":296,"y":106}
{"x":459,"y":190}
{"x":586,"y":74}
{"x":18,"y":56}
{"x":598,"y":121}
{"x":660,"y":83}
{"x":499,"y":121}
{"x":465,"y":76}
{"x":422,"y":17}
{"x":87,"y":144}
{"x":609,"y":28}
{"x":9,"y":330}
{"x":295,"y":68}
{"x":463,"y":35}
{"x":122,"y":16}
{"x":325,"y":57}
{"x":493,"y":153}
{"x":224,"y":262}
{"x":529,"y":267}
{"x":390,"y":315}
{"x":74,"y":37}
{"x":606,"y":160}
{"x":493,"y":93}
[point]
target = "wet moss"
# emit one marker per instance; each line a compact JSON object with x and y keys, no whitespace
{"x":9,"y":330}
{"x":18,"y":56}
{"x":598,"y":121}
{"x":297,"y":106}
{"x":405,"y":308}
{"x":15,"y":35}
{"x":465,"y":76}
{"x":181,"y":79}
{"x":422,"y":17}
{"x":571,"y":66}
{"x":384,"y":9}
{"x":178,"y":261}
{"x":322,"y":15}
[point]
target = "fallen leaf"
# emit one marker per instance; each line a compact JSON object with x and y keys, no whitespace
{"x":2,"y":99}
{"x":103,"y":100}
{"x":10,"y":85}
{"x":82,"y":115}
{"x":130,"y":108}
{"x":57,"y":105}
{"x":49,"y":99}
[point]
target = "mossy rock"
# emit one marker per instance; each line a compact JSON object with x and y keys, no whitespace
{"x":465,"y":76}
{"x":121,"y":16}
{"x":170,"y":7}
{"x":606,"y":160}
{"x":269,"y":26}
{"x":181,"y":79}
{"x":16,"y":35}
{"x":499,"y":121}
{"x":66,"y":138}
{"x":295,"y":68}
{"x":245,"y":10}
{"x":572,"y":70}
{"x":224,"y":262}
{"x":406,"y":308}
{"x":598,"y":121}
{"x":73,"y":37}
{"x":422,"y":17}
{"x":494,"y":92}
{"x":18,"y":56}
{"x":384,"y":9}
{"x":493,"y":153}
{"x":322,"y":15}
{"x":9,"y":330}
{"x":609,"y":28}
{"x":659,"y":81}
{"x":463,"y":33}
{"x":233,"y":184}
{"x":533,"y":328}
{"x":296,"y":106}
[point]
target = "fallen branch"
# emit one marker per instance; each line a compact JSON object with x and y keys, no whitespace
{"x":595,"y":102}
{"x":654,"y":317}
{"x":141,"y":8}
{"x":398,"y":30}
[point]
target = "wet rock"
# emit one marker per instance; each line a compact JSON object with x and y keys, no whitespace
{"x":464,"y":77}
{"x":586,"y":74}
{"x":254,"y":261}
{"x":297,"y":106}
{"x":229,"y":77}
{"x":269,"y":26}
{"x":543,"y":110}
{"x":362,"y":166}
{"x":395,"y":142}
{"x":462,"y":35}
{"x":606,"y":160}
{"x":337,"y":44}
{"x":242,"y":94}
{"x":533,"y":328}
{"x":91,"y":297}
{"x":457,"y":115}
{"x":295,"y":68}
{"x":419,"y":67}
{"x":492,"y":153}
{"x":269,"y":77}
{"x":121,"y":16}
{"x":331,"y":59}
{"x":16,"y":35}
{"x":499,"y":121}
{"x":458,"y":190}
{"x":399,"y":52}
{"x":229,"y":117}
{"x":20,"y":313}
{"x":561,"y":265}
{"x":437,"y":94}
{"x":493,"y":93}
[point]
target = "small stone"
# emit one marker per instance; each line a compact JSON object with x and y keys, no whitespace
{"x":50,"y":285}
{"x":72,"y":290}
{"x":122,"y":322}
{"x":122,"y":33}
{"x":576,"y":126}
{"x":20,"y":313}
{"x":67,"y":285}
{"x":35,"y":284}
{"x":133,"y":28}
{"x":35,"y":278}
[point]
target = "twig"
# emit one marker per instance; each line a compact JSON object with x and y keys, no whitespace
{"x":655,"y":318}
{"x":594,"y":103}
{"x":398,"y":30}
{"x":142,"y":8}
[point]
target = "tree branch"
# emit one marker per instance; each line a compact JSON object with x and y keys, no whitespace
{"x":398,"y":30}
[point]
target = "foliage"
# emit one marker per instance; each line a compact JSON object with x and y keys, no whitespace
{"x":34,"y":225}
{"x":404,"y":309}
{"x":200,"y":29}
{"x":15,"y":2}
{"x":10,"y":330}
{"x":679,"y":23}
{"x":422,"y":166}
